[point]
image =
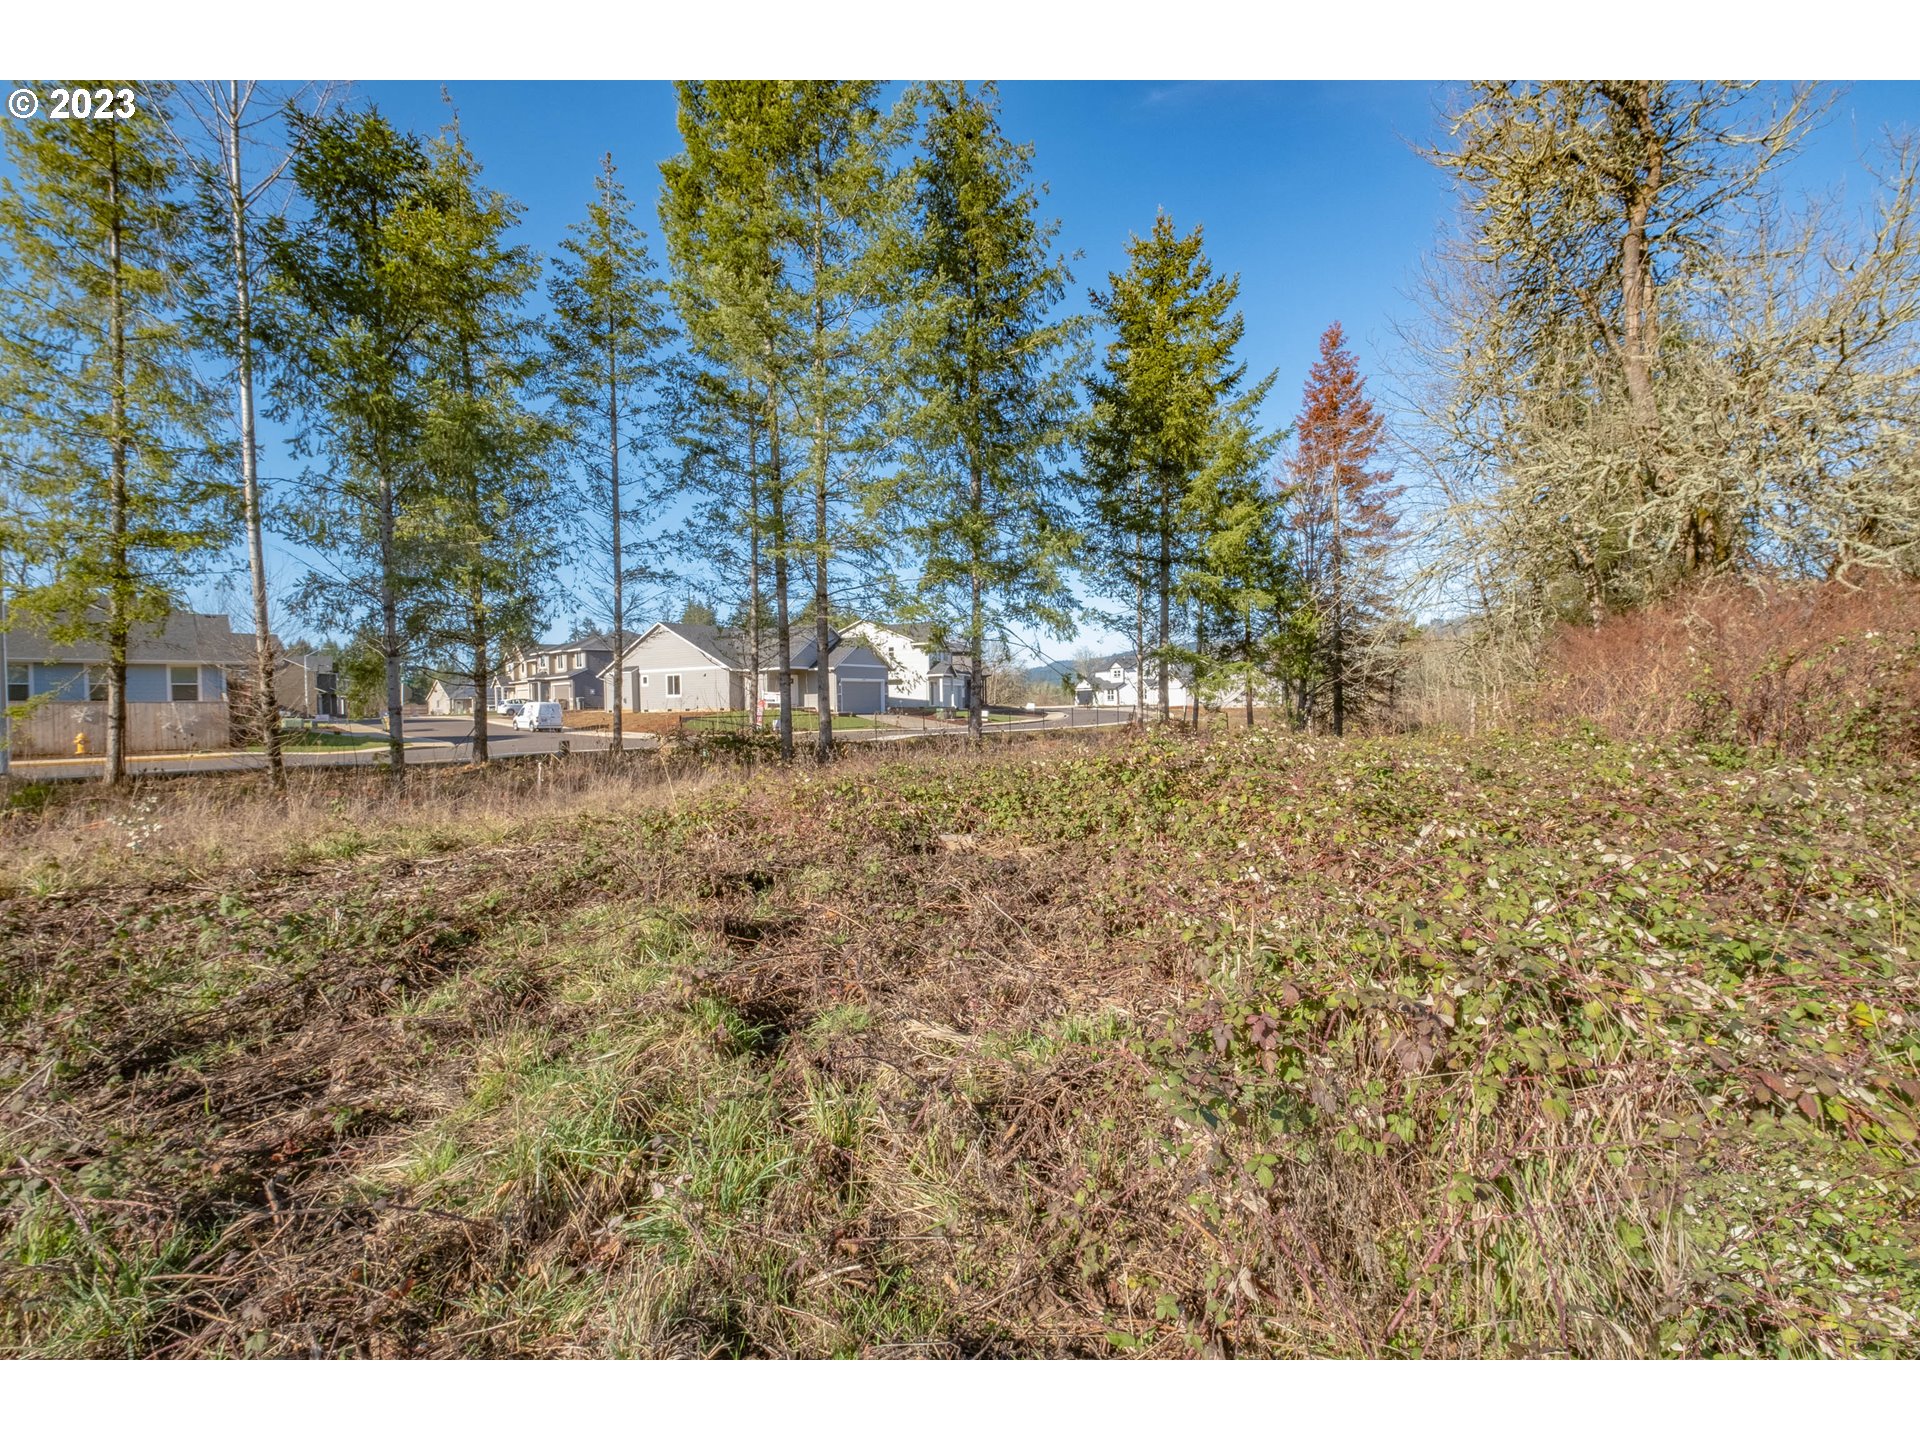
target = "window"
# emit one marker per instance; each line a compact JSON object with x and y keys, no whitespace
{"x":17,"y":688}
{"x":184,"y":681}
{"x":644,"y":679}
{"x":96,"y":683}
{"x":673,"y":684}
{"x":579,"y":662}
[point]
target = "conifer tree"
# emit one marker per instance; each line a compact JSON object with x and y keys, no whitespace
{"x":995,"y":375}
{"x":487,"y":510}
{"x":1169,"y":394}
{"x":724,"y":225}
{"x":109,"y":425}
{"x":605,"y":347}
{"x":352,"y":332}
{"x":1345,"y":514}
{"x":783,"y":218}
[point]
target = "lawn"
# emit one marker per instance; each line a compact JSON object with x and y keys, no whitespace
{"x":1094,"y":1046}
{"x":303,"y":739}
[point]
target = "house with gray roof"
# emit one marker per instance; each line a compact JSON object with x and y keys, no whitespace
{"x":673,"y":666}
{"x":178,"y":673}
{"x":569,"y":673}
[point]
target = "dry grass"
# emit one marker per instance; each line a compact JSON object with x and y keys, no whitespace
{"x":1100,"y":1045}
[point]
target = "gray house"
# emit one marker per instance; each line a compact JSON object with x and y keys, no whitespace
{"x":305,"y":684}
{"x":569,"y":673}
{"x":177,"y":687}
{"x":707,"y":667}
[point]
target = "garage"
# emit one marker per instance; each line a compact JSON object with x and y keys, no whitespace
{"x":853,"y":696}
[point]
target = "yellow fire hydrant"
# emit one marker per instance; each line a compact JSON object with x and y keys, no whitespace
{"x":80,"y":743}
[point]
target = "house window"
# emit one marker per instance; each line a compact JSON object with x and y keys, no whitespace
{"x":644,"y":679}
{"x":184,"y":681}
{"x":673,"y":685}
{"x":579,"y":662}
{"x":17,"y":688}
{"x":96,"y":683}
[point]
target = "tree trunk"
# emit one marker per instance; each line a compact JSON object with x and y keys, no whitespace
{"x":976,"y":623}
{"x":619,"y":562}
{"x":390,"y":620}
{"x":783,"y":630}
{"x":267,"y":707}
{"x":120,"y":583}
{"x":752,"y":697}
{"x":822,"y":675}
{"x":1246,"y":656}
{"x":1165,"y":576}
{"x":1339,"y":614}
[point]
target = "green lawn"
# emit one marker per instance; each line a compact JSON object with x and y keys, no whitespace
{"x":304,"y":739}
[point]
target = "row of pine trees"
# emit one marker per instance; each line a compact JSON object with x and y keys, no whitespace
{"x":858,"y":384}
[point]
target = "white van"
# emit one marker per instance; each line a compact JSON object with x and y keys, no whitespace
{"x":538,"y":715}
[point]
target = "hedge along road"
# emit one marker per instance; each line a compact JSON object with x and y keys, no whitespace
{"x":448,"y":740}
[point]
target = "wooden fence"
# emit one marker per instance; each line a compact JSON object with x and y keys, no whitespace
{"x":153,"y":728}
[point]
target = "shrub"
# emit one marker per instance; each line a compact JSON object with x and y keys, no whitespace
{"x":1824,"y":671}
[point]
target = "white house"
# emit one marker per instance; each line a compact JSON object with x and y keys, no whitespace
{"x":705,"y":667}
{"x":923,"y":667}
{"x":1116,"y":681}
{"x":450,"y":697}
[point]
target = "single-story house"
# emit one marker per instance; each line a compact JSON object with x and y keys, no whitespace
{"x":924,"y":666}
{"x":673,"y":666}
{"x":450,"y":695}
{"x":177,"y":687}
{"x":569,"y":673}
{"x":1117,"y":681}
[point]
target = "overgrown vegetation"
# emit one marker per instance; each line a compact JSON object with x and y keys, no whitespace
{"x":1249,"y":1046}
{"x":1828,"y":672}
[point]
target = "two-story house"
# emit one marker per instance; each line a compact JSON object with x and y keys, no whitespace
{"x":569,"y":673}
{"x":924,"y":665}
{"x":1116,"y":680}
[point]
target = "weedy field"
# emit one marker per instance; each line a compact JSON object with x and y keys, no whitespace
{"x":1252,"y":1046}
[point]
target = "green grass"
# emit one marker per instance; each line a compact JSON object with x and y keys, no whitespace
{"x":302,"y":739}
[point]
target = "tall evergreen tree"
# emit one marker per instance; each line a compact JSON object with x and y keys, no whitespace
{"x":724,"y":223}
{"x":995,"y":380}
{"x":491,"y":516}
{"x":783,"y":224}
{"x":1344,"y":509}
{"x":1170,"y":392}
{"x":605,"y":347}
{"x":109,"y":424}
{"x":352,"y":330}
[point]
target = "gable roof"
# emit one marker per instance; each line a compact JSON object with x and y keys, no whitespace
{"x":729,"y":647}
{"x":184,"y":637}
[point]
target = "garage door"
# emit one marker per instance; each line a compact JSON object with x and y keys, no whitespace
{"x":861,"y":697}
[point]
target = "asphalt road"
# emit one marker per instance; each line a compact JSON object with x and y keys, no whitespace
{"x":445,"y":740}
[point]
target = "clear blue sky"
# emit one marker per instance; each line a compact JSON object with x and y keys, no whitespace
{"x":1311,"y":191}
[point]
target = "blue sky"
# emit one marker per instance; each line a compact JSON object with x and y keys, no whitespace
{"x":1312,"y":191}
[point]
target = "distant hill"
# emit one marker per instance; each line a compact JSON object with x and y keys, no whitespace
{"x":1051,"y":673}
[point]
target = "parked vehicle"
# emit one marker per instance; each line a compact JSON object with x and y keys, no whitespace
{"x":539,"y":715}
{"x":511,"y":708}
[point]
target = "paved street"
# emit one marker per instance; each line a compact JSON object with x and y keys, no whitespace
{"x":442,"y":740}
